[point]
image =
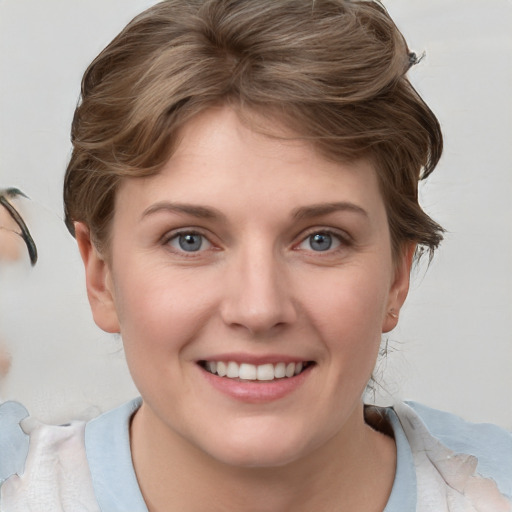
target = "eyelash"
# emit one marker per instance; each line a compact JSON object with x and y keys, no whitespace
{"x":342,"y":239}
{"x":175,"y":236}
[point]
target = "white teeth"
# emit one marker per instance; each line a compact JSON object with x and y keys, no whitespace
{"x":265,"y":372}
{"x":221,"y":369}
{"x":280,"y":370}
{"x":246,"y":371}
{"x":232,"y":371}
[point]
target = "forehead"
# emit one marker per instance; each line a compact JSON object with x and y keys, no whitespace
{"x":226,"y":162}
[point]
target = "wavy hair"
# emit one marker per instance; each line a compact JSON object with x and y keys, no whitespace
{"x":334,"y":71}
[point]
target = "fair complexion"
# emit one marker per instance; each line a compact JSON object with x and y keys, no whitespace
{"x":260,"y":252}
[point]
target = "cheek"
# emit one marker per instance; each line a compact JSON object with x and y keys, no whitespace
{"x":161,"y":309}
{"x":350,"y":301}
{"x":346,"y":312}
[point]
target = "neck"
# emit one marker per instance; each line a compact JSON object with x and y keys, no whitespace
{"x":352,"y":471}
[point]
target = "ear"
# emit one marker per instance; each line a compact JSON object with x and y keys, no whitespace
{"x":98,"y":281}
{"x":399,"y":288}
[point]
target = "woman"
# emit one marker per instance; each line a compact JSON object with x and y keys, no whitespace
{"x":243,"y":191}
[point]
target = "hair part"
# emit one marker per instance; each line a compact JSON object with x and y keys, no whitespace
{"x":334,"y":71}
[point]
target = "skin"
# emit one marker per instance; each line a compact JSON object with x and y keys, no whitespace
{"x":10,"y":244}
{"x":257,"y":288}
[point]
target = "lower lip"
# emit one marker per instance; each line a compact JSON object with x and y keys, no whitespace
{"x":256,"y":391}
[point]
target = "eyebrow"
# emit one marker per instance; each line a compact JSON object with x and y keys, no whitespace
{"x":201,"y":212}
{"x":204,"y":212}
{"x":318,"y":210}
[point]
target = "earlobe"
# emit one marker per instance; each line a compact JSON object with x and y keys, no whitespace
{"x":98,"y":281}
{"x":399,"y":289}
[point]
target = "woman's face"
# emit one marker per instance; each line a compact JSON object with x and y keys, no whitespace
{"x":254,"y":256}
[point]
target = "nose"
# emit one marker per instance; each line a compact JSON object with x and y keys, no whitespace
{"x":258,"y":294}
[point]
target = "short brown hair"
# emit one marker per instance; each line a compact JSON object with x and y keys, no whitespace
{"x":333,"y":70}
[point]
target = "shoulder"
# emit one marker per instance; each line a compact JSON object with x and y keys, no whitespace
{"x":459,"y":432}
{"x":14,"y":442}
{"x":491,"y":444}
{"x":452,"y":444}
{"x":42,"y":467}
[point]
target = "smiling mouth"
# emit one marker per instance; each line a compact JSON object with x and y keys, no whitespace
{"x":251,"y":372}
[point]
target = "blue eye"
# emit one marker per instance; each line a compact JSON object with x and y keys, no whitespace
{"x":189,"y":242}
{"x":320,"y":241}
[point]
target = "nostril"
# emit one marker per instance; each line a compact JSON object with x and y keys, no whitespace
{"x":259,"y":317}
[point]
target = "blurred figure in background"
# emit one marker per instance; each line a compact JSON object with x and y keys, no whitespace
{"x":14,"y":234}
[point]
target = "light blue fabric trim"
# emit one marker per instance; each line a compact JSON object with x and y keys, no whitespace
{"x":490,"y":444}
{"x":116,"y":488}
{"x":403,"y":496}
{"x":107,"y":446}
{"x":14,"y":443}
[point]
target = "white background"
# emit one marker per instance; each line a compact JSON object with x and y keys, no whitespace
{"x":453,"y":347}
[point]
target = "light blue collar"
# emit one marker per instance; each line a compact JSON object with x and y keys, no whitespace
{"x":107,"y":445}
{"x":403,"y":494}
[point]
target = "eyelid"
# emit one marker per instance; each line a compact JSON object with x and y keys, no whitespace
{"x":339,"y":233}
{"x":174,"y":234}
{"x":183,"y":230}
{"x":342,"y":236}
